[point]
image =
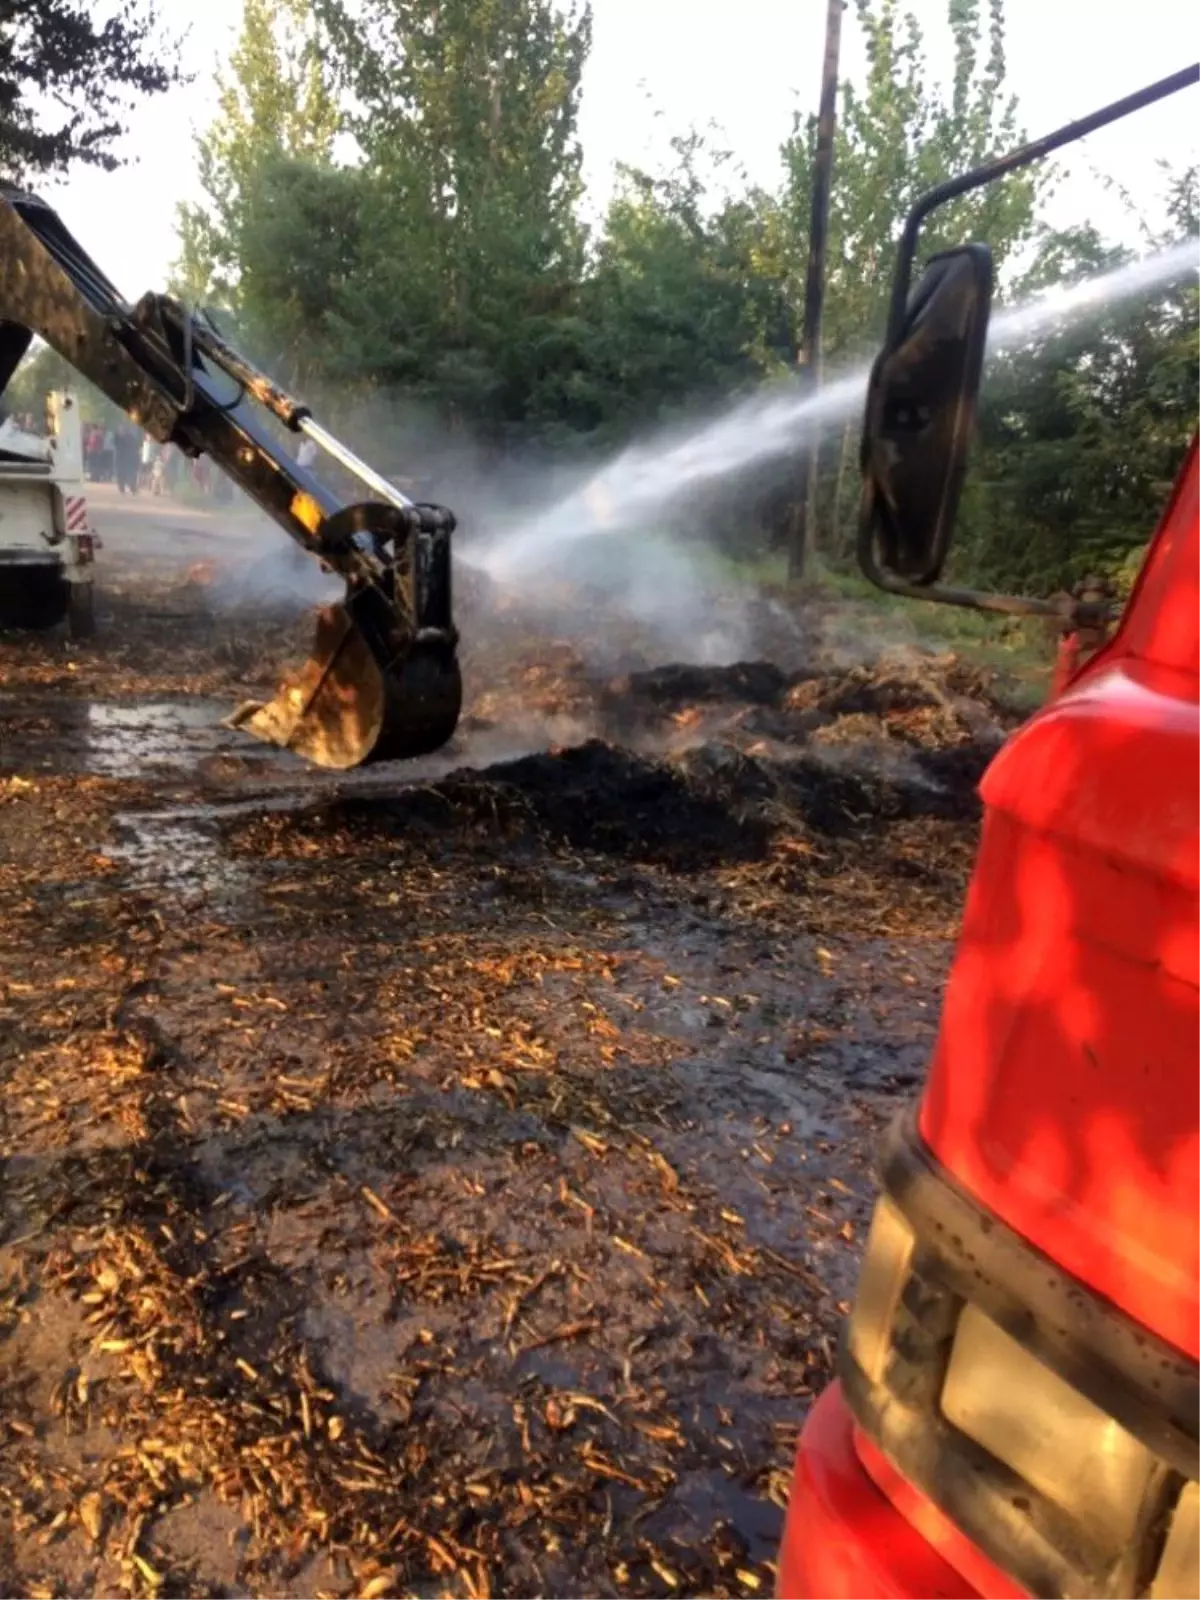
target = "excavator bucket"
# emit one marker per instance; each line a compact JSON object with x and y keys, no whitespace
{"x":343,"y":709}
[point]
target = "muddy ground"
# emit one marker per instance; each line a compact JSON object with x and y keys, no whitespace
{"x":446,"y":1180}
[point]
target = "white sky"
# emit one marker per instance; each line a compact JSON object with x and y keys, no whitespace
{"x":658,"y":66}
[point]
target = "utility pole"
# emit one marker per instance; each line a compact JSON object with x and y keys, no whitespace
{"x":803,"y":518}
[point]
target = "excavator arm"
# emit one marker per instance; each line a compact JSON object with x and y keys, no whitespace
{"x":383,"y":682}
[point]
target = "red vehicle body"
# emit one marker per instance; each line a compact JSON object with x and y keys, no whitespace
{"x":1052,"y":1173}
{"x":1044,"y":1194}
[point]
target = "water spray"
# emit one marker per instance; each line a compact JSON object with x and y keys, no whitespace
{"x":649,"y":479}
{"x":1071,"y":302}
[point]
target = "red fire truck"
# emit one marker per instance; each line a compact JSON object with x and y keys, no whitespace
{"x":1017,"y":1399}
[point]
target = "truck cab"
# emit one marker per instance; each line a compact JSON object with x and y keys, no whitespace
{"x":1016,"y":1405}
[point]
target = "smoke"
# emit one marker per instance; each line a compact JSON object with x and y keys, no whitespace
{"x":650,"y":483}
{"x":619,"y":559}
{"x":245,"y":564}
{"x":271,"y":576}
{"x":652,"y":487}
{"x":662,"y":590}
{"x":658,"y":585}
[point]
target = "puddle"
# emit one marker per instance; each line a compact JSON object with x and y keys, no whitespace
{"x":184,"y":737}
{"x":124,"y":741}
{"x":137,"y":739}
{"x":185,"y":854}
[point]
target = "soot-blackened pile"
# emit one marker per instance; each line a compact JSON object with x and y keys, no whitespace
{"x":705,"y":764}
{"x":709,"y":804}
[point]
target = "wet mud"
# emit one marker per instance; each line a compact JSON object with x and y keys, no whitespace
{"x":447,"y":1179}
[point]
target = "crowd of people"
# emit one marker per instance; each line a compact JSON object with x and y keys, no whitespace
{"x":125,"y":456}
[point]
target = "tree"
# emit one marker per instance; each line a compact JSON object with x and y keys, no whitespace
{"x":274,"y":102}
{"x":66,"y":77}
{"x":439,"y":257}
{"x":897,"y":136}
{"x":684,"y":298}
{"x":439,"y":270}
{"x":467,"y":129}
{"x":299,"y":256}
{"x":44,"y":370}
{"x":1082,"y":431}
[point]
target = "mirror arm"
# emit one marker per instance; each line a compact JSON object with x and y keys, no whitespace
{"x":1012,"y":162}
{"x":1070,"y":612}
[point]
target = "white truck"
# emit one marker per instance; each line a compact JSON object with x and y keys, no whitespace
{"x":47,"y":542}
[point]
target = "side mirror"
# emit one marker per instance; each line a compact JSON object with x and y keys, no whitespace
{"x":920,"y":408}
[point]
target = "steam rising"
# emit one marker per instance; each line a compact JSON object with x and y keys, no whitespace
{"x":626,"y":509}
{"x":269,"y":572}
{"x":622,"y":539}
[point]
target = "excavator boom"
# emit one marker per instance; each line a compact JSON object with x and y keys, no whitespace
{"x":383,"y":682}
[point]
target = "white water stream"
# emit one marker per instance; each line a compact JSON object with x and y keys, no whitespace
{"x":646,"y":480}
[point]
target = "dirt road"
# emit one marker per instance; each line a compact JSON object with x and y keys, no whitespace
{"x":443,"y":1181}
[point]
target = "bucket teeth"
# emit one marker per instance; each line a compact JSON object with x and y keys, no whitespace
{"x":343,"y":710}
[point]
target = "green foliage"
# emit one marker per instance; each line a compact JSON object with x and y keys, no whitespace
{"x":299,"y":259}
{"x":274,"y":101}
{"x":681,"y":297}
{"x":470,"y":241}
{"x":450,"y":262}
{"x":392,"y":211}
{"x":44,"y":370}
{"x":897,"y":136}
{"x":1081,"y":433}
{"x":59,"y":54}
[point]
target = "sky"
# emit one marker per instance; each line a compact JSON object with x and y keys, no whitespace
{"x":658,"y":67}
